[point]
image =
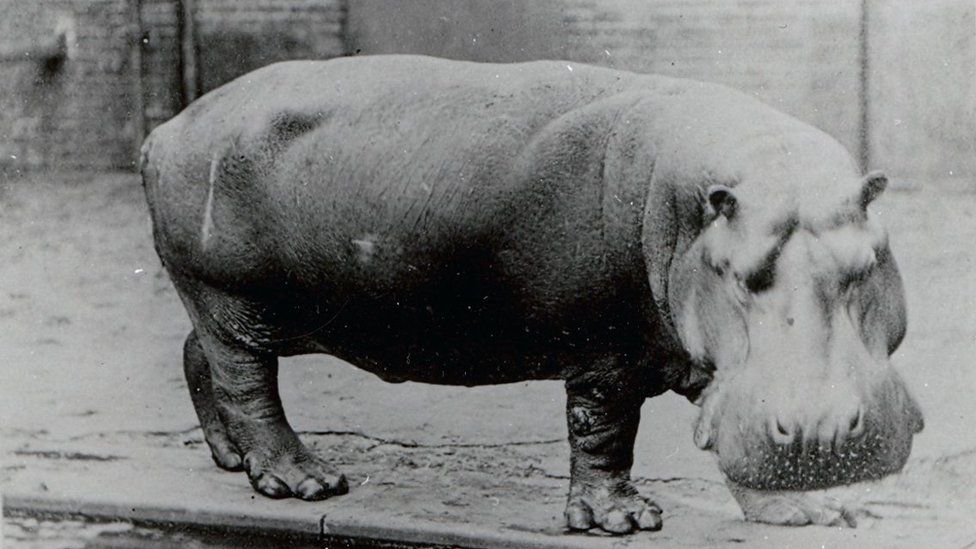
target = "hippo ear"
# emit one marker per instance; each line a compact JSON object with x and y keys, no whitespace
{"x":872,"y":186}
{"x":720,"y":201}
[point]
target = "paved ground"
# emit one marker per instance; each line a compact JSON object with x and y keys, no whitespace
{"x":94,"y":407}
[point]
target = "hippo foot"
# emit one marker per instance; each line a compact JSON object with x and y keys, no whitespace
{"x":224,"y":453}
{"x":299,"y":474}
{"x":787,"y":508}
{"x":616,"y":513}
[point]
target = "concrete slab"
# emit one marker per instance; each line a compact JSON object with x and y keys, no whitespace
{"x":444,"y":496}
{"x":143,"y":485}
{"x":180,"y":486}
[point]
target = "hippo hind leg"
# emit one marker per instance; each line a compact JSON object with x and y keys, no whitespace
{"x":197,"y":371}
{"x":241,"y":414}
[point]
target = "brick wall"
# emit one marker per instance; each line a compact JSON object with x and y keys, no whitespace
{"x":799,"y":55}
{"x":232,"y":37}
{"x":78,"y":112}
{"x":803,"y":56}
{"x":89,"y":110}
{"x":161,"y":74}
{"x":237,"y":36}
{"x":922,"y":92}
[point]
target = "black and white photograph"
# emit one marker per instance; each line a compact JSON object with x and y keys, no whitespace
{"x":488,"y":274}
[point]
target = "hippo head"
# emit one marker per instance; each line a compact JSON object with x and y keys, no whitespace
{"x":792,"y":302}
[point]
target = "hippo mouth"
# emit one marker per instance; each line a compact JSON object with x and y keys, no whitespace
{"x":753,"y":454}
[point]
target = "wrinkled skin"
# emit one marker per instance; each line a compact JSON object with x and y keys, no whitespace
{"x":469,"y":224}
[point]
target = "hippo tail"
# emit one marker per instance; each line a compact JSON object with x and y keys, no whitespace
{"x":149,"y":171}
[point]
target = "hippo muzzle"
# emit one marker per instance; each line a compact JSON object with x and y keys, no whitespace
{"x":758,"y":450}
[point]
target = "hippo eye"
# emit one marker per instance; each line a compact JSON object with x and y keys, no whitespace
{"x":720,"y":267}
{"x":857,"y":276}
{"x":762,"y":279}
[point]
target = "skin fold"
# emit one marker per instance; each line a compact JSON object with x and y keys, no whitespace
{"x":467,"y":224}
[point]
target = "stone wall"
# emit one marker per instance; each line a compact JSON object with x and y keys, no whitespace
{"x":805,"y":57}
{"x":922,"y":92}
{"x":67,"y":95}
{"x":799,"y":55}
{"x":231,"y":37}
{"x":237,"y":36}
{"x":119,"y":74}
{"x":161,"y":63}
{"x":84,"y":100}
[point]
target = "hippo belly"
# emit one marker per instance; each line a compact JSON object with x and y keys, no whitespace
{"x":457,"y":328}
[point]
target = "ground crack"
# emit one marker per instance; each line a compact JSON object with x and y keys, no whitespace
{"x":412,"y":444}
{"x":666,"y":480}
{"x":133,"y":433}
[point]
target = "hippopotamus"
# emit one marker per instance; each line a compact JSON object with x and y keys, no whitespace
{"x":465,"y":223}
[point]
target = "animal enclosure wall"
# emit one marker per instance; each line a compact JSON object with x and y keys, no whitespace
{"x":922,"y":94}
{"x":228,"y":38}
{"x":82,"y":81}
{"x":798,"y":55}
{"x":893,"y":80}
{"x":236,"y":36}
{"x":67,"y":93}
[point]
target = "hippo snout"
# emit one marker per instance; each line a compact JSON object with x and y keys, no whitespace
{"x":834,"y":446}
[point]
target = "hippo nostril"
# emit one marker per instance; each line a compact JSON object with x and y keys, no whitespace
{"x":856,"y":422}
{"x":781,"y":433}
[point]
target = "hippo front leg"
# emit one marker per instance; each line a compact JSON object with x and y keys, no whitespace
{"x":603,"y":422}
